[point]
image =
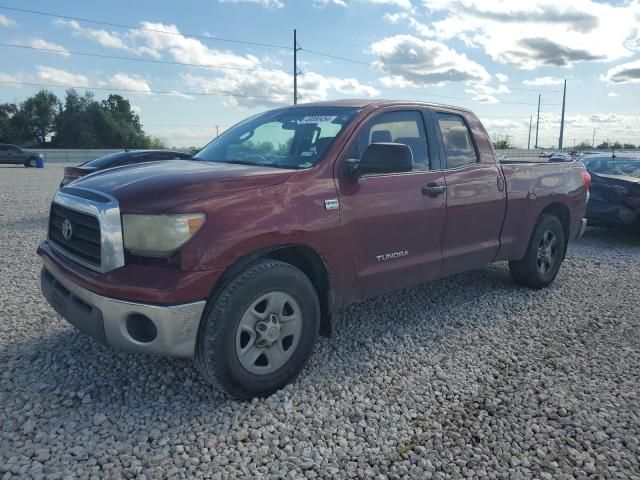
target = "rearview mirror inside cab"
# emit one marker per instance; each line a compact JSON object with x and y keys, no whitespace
{"x":380,"y":158}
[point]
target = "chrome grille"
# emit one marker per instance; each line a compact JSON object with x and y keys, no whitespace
{"x":84,"y":241}
{"x":96,"y":228}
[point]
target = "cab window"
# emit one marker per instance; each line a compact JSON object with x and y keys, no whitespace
{"x":398,"y":127}
{"x":458,"y":147}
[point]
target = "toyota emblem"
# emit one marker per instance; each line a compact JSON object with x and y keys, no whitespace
{"x":67,"y":229}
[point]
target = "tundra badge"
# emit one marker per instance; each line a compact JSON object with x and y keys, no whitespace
{"x":391,"y":256}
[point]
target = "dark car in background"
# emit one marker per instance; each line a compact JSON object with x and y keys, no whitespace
{"x":120,"y":159}
{"x":615,"y":190}
{"x":14,"y":155}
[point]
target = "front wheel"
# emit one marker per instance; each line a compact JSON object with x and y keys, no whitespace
{"x":31,"y":163}
{"x":259,"y":331}
{"x":544,"y":255}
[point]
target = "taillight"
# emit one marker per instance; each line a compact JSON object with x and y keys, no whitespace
{"x":586,"y":178}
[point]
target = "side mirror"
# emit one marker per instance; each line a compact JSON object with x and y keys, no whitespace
{"x":386,"y":158}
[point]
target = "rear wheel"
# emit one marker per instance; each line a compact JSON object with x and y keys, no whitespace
{"x":543,"y":258}
{"x":259,"y":331}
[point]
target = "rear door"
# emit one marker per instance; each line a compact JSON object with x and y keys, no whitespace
{"x":392,"y":229}
{"x":476,"y":198}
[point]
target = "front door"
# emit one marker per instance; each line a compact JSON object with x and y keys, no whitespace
{"x":392,"y":224}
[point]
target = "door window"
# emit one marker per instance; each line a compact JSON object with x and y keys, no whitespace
{"x":458,"y":147}
{"x":397,"y":127}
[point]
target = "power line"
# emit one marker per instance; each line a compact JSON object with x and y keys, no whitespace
{"x":215,"y":93}
{"x":336,"y":57}
{"x":116,"y":57}
{"x":131,"y":27}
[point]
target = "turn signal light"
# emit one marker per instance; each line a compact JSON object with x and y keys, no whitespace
{"x":586,"y":179}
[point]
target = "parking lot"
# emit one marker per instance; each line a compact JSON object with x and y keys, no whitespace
{"x":471,"y":376}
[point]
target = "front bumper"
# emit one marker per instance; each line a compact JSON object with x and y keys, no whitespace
{"x":167,"y":330}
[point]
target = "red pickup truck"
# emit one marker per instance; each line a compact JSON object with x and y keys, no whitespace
{"x":239,"y":257}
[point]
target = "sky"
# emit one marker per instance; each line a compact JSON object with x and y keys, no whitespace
{"x":195,"y":67}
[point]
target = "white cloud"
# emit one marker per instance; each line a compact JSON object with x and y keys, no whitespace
{"x":324,"y":3}
{"x":612,"y":94}
{"x":502,"y":77}
{"x":412,"y":61}
{"x":61,"y":77}
{"x":103,"y":37}
{"x":6,"y":22}
{"x":274,"y":87}
{"x":175,"y":93}
{"x":544,"y":81}
{"x":539,"y":32}
{"x":263,"y":3}
{"x":136,"y":109}
{"x":40,"y":43}
{"x":151,"y":40}
{"x":483,"y":93}
{"x":625,"y":73}
{"x":11,"y":77}
{"x":122,"y":81}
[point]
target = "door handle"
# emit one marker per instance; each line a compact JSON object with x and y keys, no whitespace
{"x":433,"y":190}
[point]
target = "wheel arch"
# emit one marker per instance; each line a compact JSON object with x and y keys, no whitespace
{"x":305,"y":258}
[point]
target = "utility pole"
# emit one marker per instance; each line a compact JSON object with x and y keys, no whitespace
{"x":295,"y":67}
{"x":593,"y":140}
{"x":529,"y":141}
{"x":217,"y":131}
{"x":537,"y":122}
{"x":564,"y":95}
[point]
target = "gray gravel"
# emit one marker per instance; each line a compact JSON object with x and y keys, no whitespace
{"x":470,"y":376}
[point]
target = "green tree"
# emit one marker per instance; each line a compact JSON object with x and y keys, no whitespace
{"x":86,"y":123}
{"x":628,"y":145}
{"x":502,"y":142}
{"x":36,"y":116}
{"x":583,"y":146}
{"x":7,"y":110}
{"x":603,"y":146}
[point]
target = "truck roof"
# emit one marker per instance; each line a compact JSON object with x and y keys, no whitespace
{"x":361,"y":103}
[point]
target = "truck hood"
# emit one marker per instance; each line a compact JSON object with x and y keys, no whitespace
{"x":157,"y":186}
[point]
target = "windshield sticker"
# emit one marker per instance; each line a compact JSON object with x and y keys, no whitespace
{"x":306,"y":154}
{"x":317,"y":119}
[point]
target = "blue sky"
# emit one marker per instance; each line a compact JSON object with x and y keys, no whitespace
{"x":491,"y":56}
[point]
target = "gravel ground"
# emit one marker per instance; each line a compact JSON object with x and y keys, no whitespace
{"x":470,"y":376}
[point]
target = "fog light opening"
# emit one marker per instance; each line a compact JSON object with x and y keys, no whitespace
{"x":141,"y":328}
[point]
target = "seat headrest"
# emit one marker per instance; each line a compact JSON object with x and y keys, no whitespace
{"x":457,"y":139}
{"x":381,"y":136}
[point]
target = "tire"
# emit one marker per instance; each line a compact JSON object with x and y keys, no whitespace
{"x":543,"y":258}
{"x":239,"y":324}
{"x":30,"y":163}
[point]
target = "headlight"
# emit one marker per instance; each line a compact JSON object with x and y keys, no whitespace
{"x":159,"y":235}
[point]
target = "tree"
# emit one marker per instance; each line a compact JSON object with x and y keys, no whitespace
{"x":7,"y":110}
{"x":603,"y":146}
{"x":35,"y":119}
{"x":502,"y":142}
{"x":629,"y":146}
{"x":86,"y":123}
{"x":583,"y":146}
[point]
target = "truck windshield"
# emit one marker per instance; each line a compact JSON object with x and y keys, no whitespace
{"x":287,"y":138}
